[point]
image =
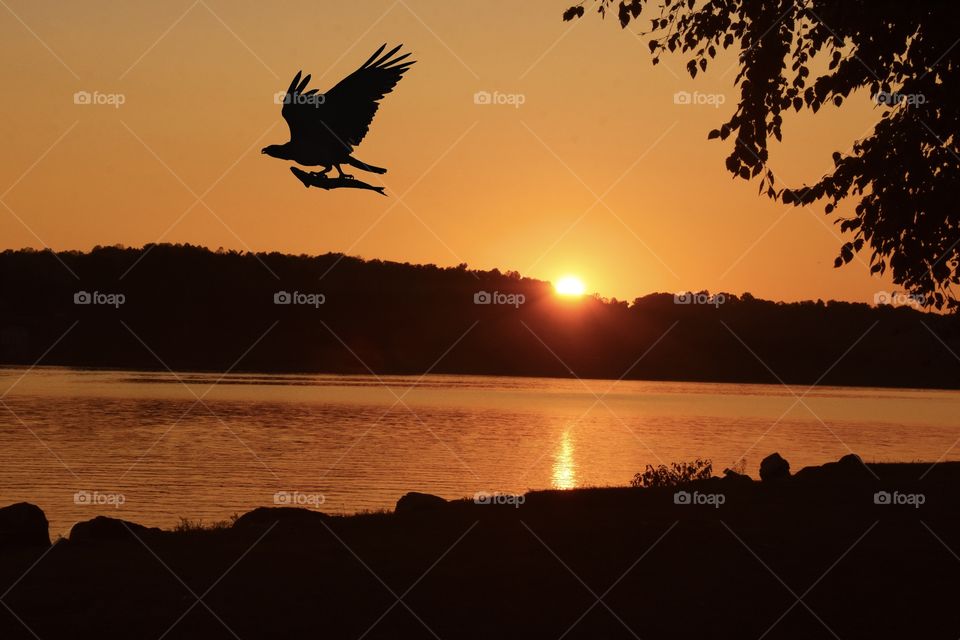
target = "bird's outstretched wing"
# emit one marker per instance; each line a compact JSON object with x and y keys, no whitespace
{"x":300,"y":109}
{"x":351,"y":104}
{"x":346,"y":110}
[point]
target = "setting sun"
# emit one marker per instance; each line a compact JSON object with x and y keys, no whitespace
{"x":570,"y":286}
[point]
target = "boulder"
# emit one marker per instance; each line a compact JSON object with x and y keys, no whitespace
{"x":733,"y":478}
{"x":851,"y":461}
{"x":415,"y":502}
{"x":23,"y":525}
{"x":849,"y":468}
{"x":774,"y":467}
{"x":284,"y":517}
{"x":103,"y":529}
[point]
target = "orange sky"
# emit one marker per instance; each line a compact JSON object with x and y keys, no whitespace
{"x":490,"y":185}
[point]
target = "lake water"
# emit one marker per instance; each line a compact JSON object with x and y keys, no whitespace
{"x":80,"y":443}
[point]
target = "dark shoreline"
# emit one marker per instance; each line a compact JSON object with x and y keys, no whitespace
{"x":314,"y":373}
{"x":188,"y":308}
{"x":866,"y":569}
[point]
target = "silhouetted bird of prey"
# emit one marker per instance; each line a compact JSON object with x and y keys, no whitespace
{"x":325,"y":127}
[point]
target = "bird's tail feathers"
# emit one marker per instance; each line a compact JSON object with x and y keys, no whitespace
{"x":353,"y":162}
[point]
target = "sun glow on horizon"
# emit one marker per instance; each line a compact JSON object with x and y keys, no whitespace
{"x":570,"y":286}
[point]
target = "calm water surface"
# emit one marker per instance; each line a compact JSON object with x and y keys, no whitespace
{"x":359,"y":442}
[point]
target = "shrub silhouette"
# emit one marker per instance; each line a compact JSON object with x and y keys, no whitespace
{"x":678,"y":473}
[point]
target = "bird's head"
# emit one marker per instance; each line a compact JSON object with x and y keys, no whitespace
{"x":275,"y":151}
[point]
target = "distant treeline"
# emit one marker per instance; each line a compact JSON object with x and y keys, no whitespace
{"x":189,"y":308}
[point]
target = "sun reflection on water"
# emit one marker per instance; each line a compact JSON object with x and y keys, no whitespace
{"x":564,"y":475}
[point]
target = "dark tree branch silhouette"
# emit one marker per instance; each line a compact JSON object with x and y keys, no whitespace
{"x":904,"y":175}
